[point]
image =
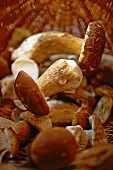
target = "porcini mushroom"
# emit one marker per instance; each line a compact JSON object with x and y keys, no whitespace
{"x":30,"y":95}
{"x":60,"y":76}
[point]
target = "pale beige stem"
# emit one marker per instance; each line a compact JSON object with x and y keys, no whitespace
{"x":60,"y":76}
{"x":39,"y":123}
{"x":41,"y":46}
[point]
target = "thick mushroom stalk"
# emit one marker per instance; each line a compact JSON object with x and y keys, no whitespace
{"x":60,"y":76}
{"x":103,"y":108}
{"x":41,"y":46}
{"x":92,"y":48}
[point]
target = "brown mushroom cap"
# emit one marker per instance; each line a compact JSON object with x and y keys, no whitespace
{"x":53,"y":148}
{"x":30,"y":95}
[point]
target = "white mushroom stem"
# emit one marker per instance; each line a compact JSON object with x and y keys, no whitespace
{"x":80,"y":135}
{"x":60,"y":76}
{"x":103,"y":108}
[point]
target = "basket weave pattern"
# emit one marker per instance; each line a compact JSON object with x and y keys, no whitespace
{"x":70,"y":16}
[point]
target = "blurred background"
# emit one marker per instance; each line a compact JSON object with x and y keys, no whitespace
{"x":70,"y":16}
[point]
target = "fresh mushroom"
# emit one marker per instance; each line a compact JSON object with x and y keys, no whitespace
{"x":103,"y":108}
{"x":98,"y":132}
{"x":60,"y":76}
{"x":41,"y":46}
{"x":30,"y":95}
{"x":21,"y":128}
{"x":40,"y":123}
{"x":53,"y":149}
{"x":92,"y":48}
{"x":80,"y":135}
{"x":80,"y":117}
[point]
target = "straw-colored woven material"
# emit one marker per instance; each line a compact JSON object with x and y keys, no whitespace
{"x":70,"y":16}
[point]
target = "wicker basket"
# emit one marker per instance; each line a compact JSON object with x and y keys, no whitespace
{"x":70,"y":16}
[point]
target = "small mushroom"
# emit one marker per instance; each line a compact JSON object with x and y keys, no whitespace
{"x":30,"y":95}
{"x":80,"y":135}
{"x":98,"y":132}
{"x":103,"y":108}
{"x":39,"y":123}
{"x":80,"y":117}
{"x":60,"y":76}
{"x":21,"y":128}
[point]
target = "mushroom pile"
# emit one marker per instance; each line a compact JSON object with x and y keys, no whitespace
{"x":56,"y":99}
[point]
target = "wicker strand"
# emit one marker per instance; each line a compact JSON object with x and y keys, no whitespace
{"x":70,"y":16}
